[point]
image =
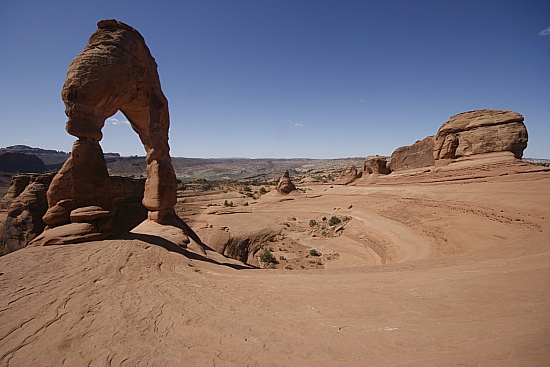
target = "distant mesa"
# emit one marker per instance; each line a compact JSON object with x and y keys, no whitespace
{"x":53,"y":159}
{"x":285,"y":185}
{"x":21,"y":162}
{"x":29,"y":150}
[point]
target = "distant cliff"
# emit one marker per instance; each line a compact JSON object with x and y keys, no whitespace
{"x":21,"y":162}
{"x":49,"y":157}
{"x":52,"y":159}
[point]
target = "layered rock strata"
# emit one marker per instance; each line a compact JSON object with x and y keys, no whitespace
{"x":463,"y":135}
{"x":27,"y":203}
{"x":114,"y":72}
{"x":20,"y":162}
{"x":420,"y":154}
{"x":479,"y":132}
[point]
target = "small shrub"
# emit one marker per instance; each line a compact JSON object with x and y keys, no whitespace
{"x":245,"y":204}
{"x":312,"y":222}
{"x":314,"y":252}
{"x":267,"y":257}
{"x":263,"y":191}
{"x":324,"y":218}
{"x":334,"y":220}
{"x":288,"y":267}
{"x":282,"y":258}
{"x":247,"y":189}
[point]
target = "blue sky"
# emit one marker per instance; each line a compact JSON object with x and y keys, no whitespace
{"x":289,"y":78}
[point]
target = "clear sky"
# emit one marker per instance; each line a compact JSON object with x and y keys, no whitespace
{"x":288,"y":78}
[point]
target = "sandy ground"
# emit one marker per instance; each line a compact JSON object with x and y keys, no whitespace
{"x":453,"y":273}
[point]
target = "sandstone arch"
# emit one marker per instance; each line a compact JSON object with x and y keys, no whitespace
{"x":115,"y":71}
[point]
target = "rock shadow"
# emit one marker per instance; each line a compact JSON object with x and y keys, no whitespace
{"x":171,"y":246}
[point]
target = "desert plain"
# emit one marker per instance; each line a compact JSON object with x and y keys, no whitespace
{"x":438,"y":267}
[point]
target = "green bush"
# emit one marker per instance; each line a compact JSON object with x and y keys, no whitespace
{"x":267,"y":257}
{"x":314,"y":252}
{"x":334,"y":220}
{"x":263,"y":191}
{"x":312,"y":222}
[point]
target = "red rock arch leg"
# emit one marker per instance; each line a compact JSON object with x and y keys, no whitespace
{"x":149,"y":118}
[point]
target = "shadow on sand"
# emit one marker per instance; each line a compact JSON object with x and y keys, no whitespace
{"x":171,"y":246}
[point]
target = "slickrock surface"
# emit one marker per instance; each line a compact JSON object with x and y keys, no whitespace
{"x":449,"y":272}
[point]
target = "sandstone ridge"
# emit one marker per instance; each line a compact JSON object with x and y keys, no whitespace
{"x":466,"y":135}
{"x":480,"y":132}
